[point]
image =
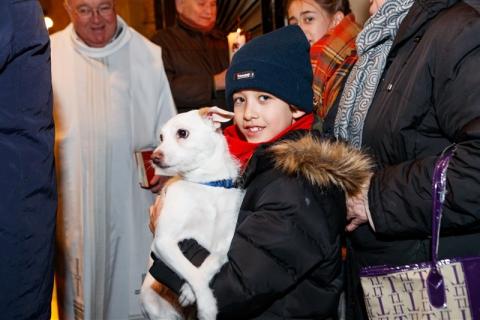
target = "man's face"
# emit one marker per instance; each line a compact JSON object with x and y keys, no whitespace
{"x":199,"y":14}
{"x":94,"y":21}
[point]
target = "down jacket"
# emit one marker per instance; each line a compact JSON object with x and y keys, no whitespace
{"x":27,"y":177}
{"x":285,"y":256}
{"x":428,"y":99}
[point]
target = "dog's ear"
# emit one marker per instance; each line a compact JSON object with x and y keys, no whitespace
{"x":216,"y":115}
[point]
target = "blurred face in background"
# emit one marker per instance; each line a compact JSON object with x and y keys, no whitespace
{"x":94,"y":21}
{"x":198,"y":14}
{"x":312,"y":18}
{"x":375,"y":6}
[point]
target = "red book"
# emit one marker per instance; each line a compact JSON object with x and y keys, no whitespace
{"x":145,"y":168}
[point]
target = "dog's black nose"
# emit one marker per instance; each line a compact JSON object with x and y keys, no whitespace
{"x":157,"y":158}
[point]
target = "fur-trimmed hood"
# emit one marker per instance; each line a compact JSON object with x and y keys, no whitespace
{"x":323,"y":162}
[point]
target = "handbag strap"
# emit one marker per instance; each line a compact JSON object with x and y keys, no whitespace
{"x":439,"y":190}
{"x":435,"y":282}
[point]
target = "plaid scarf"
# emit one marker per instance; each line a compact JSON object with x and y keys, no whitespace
{"x":332,"y":58}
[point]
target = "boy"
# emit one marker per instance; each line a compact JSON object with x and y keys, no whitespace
{"x":285,"y":257}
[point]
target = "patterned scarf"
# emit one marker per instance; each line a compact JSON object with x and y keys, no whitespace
{"x":243,"y":150}
{"x":373,"y":46}
{"x":332,"y":58}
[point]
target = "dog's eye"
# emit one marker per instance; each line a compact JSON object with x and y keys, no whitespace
{"x":182,"y":133}
{"x":161,"y":138}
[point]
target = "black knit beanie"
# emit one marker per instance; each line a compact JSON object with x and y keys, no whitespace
{"x":278,"y":63}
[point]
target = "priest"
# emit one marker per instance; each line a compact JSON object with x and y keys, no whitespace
{"x":111,"y":97}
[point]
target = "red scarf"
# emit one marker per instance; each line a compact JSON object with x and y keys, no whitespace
{"x":243,"y":150}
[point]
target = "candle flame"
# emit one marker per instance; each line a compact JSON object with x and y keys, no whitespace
{"x":48,"y":22}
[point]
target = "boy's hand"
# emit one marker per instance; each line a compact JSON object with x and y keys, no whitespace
{"x":155,"y":209}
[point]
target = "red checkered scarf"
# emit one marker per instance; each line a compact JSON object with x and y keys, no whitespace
{"x":332,"y":58}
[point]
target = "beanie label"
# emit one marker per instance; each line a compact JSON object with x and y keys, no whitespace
{"x":244,"y":75}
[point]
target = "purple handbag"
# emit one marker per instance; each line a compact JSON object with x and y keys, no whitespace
{"x":438,"y":289}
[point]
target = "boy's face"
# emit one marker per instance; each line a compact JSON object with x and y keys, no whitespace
{"x":260,"y":116}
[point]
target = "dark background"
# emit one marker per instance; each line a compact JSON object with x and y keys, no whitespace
{"x":253,"y":16}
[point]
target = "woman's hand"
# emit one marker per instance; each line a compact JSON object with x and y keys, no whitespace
{"x":358,"y":211}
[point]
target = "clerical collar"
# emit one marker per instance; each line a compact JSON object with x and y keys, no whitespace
{"x":122,"y":36}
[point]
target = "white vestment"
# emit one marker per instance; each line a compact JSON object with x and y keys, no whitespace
{"x":108,"y":102}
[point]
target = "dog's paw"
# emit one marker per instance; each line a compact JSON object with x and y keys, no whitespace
{"x":206,"y":304}
{"x":207,"y":314}
{"x":187,"y":296}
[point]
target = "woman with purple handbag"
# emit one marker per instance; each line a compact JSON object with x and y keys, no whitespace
{"x":436,"y":289}
{"x":413,"y":92}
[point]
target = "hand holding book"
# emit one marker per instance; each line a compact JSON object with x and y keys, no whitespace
{"x":157,"y":182}
{"x":146,"y":171}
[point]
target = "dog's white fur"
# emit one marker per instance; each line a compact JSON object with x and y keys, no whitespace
{"x":193,"y":148}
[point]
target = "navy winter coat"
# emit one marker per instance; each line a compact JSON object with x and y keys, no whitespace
{"x":27,"y":178}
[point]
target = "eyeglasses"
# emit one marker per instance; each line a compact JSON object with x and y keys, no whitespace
{"x":86,"y":12}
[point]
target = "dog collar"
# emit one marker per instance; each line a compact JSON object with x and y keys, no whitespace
{"x":226,"y":183}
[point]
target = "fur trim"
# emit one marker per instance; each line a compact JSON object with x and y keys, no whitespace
{"x":324,"y":162}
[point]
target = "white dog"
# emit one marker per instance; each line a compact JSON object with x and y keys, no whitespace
{"x":199,"y":205}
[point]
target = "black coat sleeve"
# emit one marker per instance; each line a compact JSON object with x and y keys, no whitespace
{"x":162,"y":273}
{"x":456,"y":105}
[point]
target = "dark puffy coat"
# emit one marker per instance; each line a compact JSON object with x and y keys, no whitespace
{"x":191,"y":59}
{"x":285,"y":257}
{"x":27,"y":179}
{"x":429,"y":97}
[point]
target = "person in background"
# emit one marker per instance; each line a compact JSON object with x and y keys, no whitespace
{"x":28,"y":198}
{"x":195,"y":55}
{"x":411,"y":94}
{"x":331,"y":30}
{"x":285,"y":257}
{"x":111,"y":97}
{"x":316,"y":17}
